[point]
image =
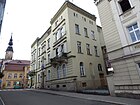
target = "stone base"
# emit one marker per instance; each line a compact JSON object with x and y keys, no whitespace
{"x":128,"y":93}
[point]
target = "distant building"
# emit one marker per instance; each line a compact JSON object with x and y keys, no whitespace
{"x":9,"y":50}
{"x":120,"y":21}
{"x":15,"y":74}
{"x":2,"y":8}
{"x":15,"y":71}
{"x":68,"y":55}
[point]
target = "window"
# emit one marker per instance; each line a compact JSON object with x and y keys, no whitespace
{"x":48,"y":58}
{"x":125,"y":5}
{"x":56,"y":23}
{"x":56,"y":51}
{"x":84,"y":84}
{"x":82,"y":70}
{"x":62,"y":48}
{"x":88,"y":49}
{"x":48,"y":43}
{"x":49,"y":75}
{"x":39,"y":63}
{"x":64,"y":70}
{"x":84,"y":19}
{"x":85,"y":31}
{"x":15,"y":75}
{"x":39,"y":52}
{"x":9,"y":75}
{"x":79,"y":47}
{"x":20,"y":76}
{"x":58,"y":72}
{"x":38,"y":77}
{"x":77,"y":31}
{"x":134,"y":32}
{"x":99,"y":67}
{"x":92,"y":34}
{"x":8,"y":83}
{"x":96,"y":51}
{"x":62,"y":30}
{"x":138,"y":65}
{"x":58,"y":34}
{"x":14,"y":83}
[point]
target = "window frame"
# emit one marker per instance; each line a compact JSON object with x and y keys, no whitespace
{"x":64,"y":69}
{"x":85,"y":32}
{"x":79,"y":47}
{"x":133,"y":31}
{"x":77,"y":29}
{"x":88,"y":49}
{"x":82,"y":69}
{"x":120,"y":5}
{"x":15,"y":75}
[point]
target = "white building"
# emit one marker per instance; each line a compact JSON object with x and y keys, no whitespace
{"x":68,"y":56}
{"x":120,"y":21}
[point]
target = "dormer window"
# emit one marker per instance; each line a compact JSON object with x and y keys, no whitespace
{"x":125,"y":5}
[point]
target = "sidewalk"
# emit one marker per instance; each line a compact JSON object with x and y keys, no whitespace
{"x":108,"y":99}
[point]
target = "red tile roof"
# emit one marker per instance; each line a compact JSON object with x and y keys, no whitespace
{"x":17,"y":64}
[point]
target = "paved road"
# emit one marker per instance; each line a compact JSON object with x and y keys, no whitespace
{"x":24,"y":97}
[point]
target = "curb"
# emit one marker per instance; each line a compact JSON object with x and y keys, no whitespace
{"x":111,"y":102}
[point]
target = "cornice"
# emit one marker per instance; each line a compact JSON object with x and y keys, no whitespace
{"x":99,"y":1}
{"x":73,"y":7}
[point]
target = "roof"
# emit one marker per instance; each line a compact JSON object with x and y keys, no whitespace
{"x":16,"y":65}
{"x":73,"y":7}
{"x":19,"y":62}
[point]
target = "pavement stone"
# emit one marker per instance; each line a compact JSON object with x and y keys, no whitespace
{"x":107,"y":99}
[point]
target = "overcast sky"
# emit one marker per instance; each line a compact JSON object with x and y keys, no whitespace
{"x":29,"y":19}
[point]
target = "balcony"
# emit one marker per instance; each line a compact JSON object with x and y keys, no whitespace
{"x":61,"y":58}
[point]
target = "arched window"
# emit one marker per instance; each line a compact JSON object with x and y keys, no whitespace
{"x":15,"y":75}
{"x":64,"y":70}
{"x":99,"y":67}
{"x":20,"y":76}
{"x":9,"y":75}
{"x":82,"y":70}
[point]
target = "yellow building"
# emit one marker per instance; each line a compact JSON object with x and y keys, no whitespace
{"x":15,"y":74}
{"x":15,"y":71}
{"x":68,"y":56}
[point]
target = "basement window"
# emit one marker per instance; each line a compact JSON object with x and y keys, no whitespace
{"x":125,"y":5}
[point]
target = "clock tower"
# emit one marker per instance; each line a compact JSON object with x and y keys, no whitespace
{"x":9,"y":50}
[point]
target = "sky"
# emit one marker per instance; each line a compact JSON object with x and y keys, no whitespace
{"x":29,"y":19}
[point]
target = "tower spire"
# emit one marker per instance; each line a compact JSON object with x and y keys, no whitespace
{"x":9,"y":50}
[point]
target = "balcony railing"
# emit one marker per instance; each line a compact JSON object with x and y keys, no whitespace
{"x":59,"y":58}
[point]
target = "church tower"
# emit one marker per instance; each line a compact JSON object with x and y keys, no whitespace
{"x":9,"y":50}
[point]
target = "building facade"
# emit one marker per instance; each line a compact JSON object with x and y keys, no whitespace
{"x":69,"y":56}
{"x":120,"y":21}
{"x":15,"y":71}
{"x":15,"y":74}
{"x":2,"y":8}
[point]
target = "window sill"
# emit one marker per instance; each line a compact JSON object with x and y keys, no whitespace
{"x":82,"y":75}
{"x":94,"y":39}
{"x":86,"y":36}
{"x":127,"y":11}
{"x":80,"y":53}
{"x":78,"y":33}
{"x":97,"y":55}
{"x":89,"y":54}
